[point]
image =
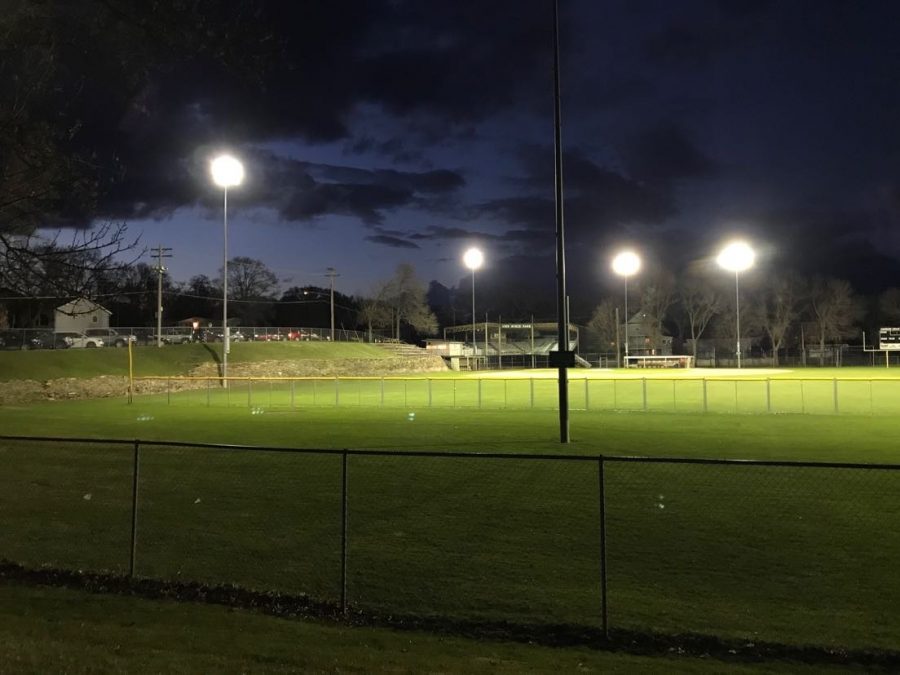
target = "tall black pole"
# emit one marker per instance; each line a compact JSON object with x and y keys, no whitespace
{"x":562,"y":306}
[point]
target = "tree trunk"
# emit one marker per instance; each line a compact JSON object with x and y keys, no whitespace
{"x":822,"y":349}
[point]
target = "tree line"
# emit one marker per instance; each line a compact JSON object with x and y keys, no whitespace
{"x":397,"y":306}
{"x":777,"y":311}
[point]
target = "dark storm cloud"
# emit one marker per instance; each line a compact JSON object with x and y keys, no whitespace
{"x":663,"y":154}
{"x":459,"y":60}
{"x":298,"y":191}
{"x":366,"y":202}
{"x":393,"y":242}
{"x":596,"y":199}
{"x":440,"y":232}
{"x":700,"y":32}
{"x":439,"y":68}
{"x":429,"y":182}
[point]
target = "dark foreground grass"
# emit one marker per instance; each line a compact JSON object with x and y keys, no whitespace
{"x":792,"y":555}
{"x":59,"y":630}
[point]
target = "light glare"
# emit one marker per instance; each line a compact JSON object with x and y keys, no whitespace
{"x":473,"y":258}
{"x":626,"y":263}
{"x":736,"y":257}
{"x":226,"y":171}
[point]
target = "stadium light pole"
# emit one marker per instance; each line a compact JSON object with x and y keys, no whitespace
{"x":626,"y":264}
{"x":473,"y":259}
{"x":227,"y":172}
{"x":737,"y":257}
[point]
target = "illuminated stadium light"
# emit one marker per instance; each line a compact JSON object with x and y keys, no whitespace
{"x":226,"y":172}
{"x":737,"y":257}
{"x":626,"y":264}
{"x":473,"y":259}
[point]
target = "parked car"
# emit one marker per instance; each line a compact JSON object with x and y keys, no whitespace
{"x":26,"y":339}
{"x":302,"y":335}
{"x":111,"y":337}
{"x":77,"y":340}
{"x":267,"y":337}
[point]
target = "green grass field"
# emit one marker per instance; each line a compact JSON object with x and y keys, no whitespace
{"x":44,"y":630}
{"x":818,"y":392}
{"x":802,"y":556}
{"x":170,"y":360}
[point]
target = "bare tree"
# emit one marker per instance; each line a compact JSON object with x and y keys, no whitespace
{"x":373,"y":312}
{"x":657,"y":297}
{"x":889,"y":305}
{"x":700,"y":301}
{"x":35,"y":265}
{"x":601,"y":327}
{"x":834,"y":308}
{"x":406,"y":295}
{"x":778,"y":307}
{"x":250,"y":279}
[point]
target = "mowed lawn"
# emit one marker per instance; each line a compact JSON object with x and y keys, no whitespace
{"x":795,"y":555}
{"x":51,"y":630}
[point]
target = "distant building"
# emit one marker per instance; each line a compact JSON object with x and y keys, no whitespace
{"x":644,"y":339}
{"x":79,"y":315}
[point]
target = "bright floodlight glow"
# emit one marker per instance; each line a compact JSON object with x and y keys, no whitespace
{"x":226,"y":171}
{"x":473,"y":258}
{"x":626,"y":263}
{"x":736,"y":257}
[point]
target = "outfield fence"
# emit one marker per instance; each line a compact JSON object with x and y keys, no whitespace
{"x":750,"y":395}
{"x":791,"y":552}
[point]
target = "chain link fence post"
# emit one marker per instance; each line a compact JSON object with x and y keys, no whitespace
{"x":135,"y":476}
{"x":768,"y":394}
{"x":344,"y":532}
{"x":604,"y":596}
{"x":705,"y":396}
{"x":531,"y":383}
{"x":837,"y":409}
{"x":644,"y":391}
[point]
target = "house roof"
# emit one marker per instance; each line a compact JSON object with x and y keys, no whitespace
{"x":81,"y":305}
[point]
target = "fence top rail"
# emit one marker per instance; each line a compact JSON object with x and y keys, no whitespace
{"x":494,"y":378}
{"x":636,"y":459}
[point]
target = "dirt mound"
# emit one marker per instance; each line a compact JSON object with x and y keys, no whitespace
{"x":68,"y":388}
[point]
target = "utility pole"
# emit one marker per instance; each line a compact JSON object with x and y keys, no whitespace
{"x":161,"y":252}
{"x":331,"y":273}
{"x":564,"y":358}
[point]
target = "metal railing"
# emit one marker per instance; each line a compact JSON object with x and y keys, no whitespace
{"x":724,"y":547}
{"x":686,"y":394}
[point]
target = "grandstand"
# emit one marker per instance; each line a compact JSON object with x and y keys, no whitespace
{"x":495,"y":342}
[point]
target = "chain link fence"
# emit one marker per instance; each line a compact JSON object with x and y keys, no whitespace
{"x":797,"y":553}
{"x":823,"y":396}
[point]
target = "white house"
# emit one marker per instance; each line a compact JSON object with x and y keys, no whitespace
{"x":79,"y":315}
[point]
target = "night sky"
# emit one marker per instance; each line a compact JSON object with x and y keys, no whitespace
{"x":389,"y":132}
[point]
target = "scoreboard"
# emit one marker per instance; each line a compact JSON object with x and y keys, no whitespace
{"x":889,"y":339}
